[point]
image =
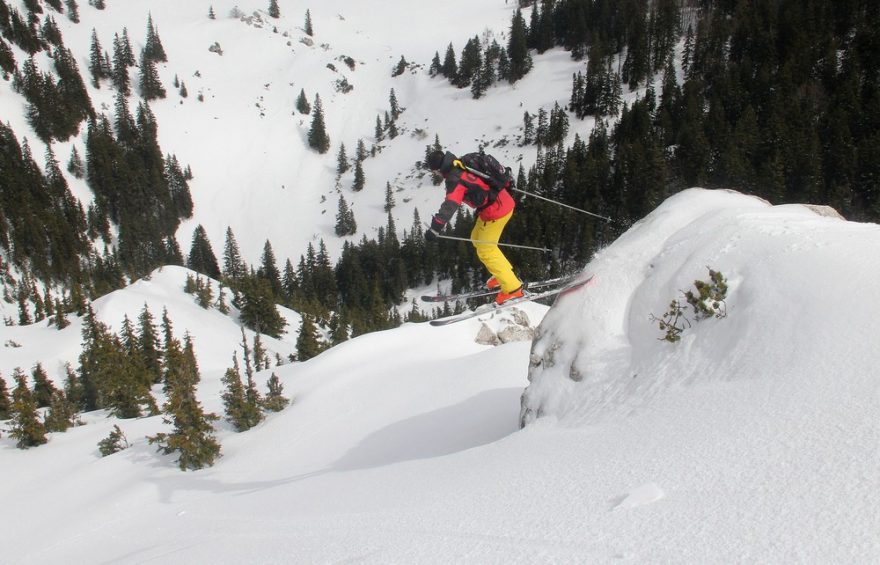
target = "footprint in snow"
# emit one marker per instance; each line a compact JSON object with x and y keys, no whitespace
{"x":640,"y":496}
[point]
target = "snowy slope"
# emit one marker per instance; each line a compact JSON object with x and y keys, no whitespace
{"x":754,"y":439}
{"x":247,"y":145}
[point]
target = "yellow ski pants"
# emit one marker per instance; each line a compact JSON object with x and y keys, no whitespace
{"x":490,"y":254}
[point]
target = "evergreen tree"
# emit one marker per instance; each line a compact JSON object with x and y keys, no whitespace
{"x":517,"y":49}
{"x":379,"y":131}
{"x":192,"y":437}
{"x":43,"y":387}
{"x":75,"y":166}
{"x":153,"y":50}
{"x":436,"y":66}
{"x":342,"y":161}
{"x":469,"y":66}
{"x":201,"y":256}
{"x":25,"y":425}
{"x":302,"y":103}
{"x":395,"y":107}
{"x":269,"y":269}
{"x":150,"y":84}
{"x":345,"y":222}
{"x":61,"y":414}
{"x":318,"y":139}
{"x":127,"y":51}
{"x":119,"y":70}
{"x":149,"y":346}
{"x":389,"y":197}
{"x":449,"y":69}
{"x":307,"y":27}
{"x":307,"y":344}
{"x":275,"y":400}
{"x":233,"y":264}
{"x":238,"y":411}
{"x":274,"y":11}
{"x":72,"y":11}
{"x":400,"y":68}
{"x":5,"y":402}
{"x":257,"y":307}
{"x":211,"y":13}
{"x":359,"y":178}
{"x":113,"y":443}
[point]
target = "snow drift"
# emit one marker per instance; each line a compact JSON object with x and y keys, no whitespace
{"x":800,"y":313}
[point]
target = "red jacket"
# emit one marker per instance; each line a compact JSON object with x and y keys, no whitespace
{"x":463,"y":187}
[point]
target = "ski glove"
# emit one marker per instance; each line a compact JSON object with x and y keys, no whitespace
{"x":431,"y":234}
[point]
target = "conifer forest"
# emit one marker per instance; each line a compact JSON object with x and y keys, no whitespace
{"x":776,"y":98}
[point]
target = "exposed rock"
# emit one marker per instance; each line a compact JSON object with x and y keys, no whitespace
{"x":486,"y":336}
{"x":516,"y":333}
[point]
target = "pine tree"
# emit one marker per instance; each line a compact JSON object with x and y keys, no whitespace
{"x":318,"y":139}
{"x":234,"y":402}
{"x":61,"y":414}
{"x":252,"y":396}
{"x":307,"y":344}
{"x":75,"y":166}
{"x":119,"y":72}
{"x":192,"y":438}
{"x":517,"y":49}
{"x":257,"y":306}
{"x":345,"y":223}
{"x":150,"y":84}
{"x":43,"y":387}
{"x":5,"y":402}
{"x":449,"y":69}
{"x":269,"y":269}
{"x":394,"y":106}
{"x":359,"y":178}
{"x":211,"y":13}
{"x":149,"y":346}
{"x":233,"y":265}
{"x":25,"y":425}
{"x":400,"y":68}
{"x":275,"y":401}
{"x":436,"y":66}
{"x":113,"y":443}
{"x":307,"y":27}
{"x":342,"y":164}
{"x":97,"y":66}
{"x":274,"y":11}
{"x":302,"y":103}
{"x":127,"y":51}
{"x":153,"y":50}
{"x":201,"y":256}
{"x":72,"y":11}
{"x":389,"y":197}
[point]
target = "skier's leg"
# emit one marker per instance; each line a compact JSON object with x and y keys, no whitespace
{"x":490,"y":254}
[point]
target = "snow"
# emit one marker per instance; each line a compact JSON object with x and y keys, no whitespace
{"x":756,"y":438}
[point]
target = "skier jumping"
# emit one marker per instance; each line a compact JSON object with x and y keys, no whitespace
{"x":494,"y":209}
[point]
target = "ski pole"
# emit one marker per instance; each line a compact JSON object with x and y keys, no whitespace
{"x":487,"y":177}
{"x":493,"y":243}
{"x":561,"y":204}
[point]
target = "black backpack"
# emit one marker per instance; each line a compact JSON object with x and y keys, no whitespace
{"x":487,"y":167}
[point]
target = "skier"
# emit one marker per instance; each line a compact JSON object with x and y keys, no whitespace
{"x":494,"y":209}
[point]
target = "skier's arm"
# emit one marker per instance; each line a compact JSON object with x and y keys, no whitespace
{"x":453,"y":200}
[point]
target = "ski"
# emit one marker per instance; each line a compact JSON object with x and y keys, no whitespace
{"x":490,"y":308}
{"x":483,"y":292}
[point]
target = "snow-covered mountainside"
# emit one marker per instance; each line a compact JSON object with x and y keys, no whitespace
{"x":752,"y":439}
{"x":247,"y":145}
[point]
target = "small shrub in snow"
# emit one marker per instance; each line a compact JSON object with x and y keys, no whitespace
{"x":709,"y":299}
{"x":707,"y":302}
{"x":672,"y":323}
{"x":113,"y":443}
